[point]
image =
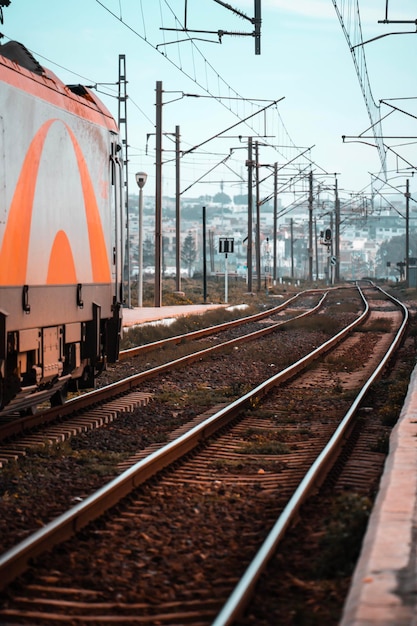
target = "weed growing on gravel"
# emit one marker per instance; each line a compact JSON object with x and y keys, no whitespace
{"x":198,"y":396}
{"x":346,"y":362}
{"x":176,"y":397}
{"x":394,"y":400}
{"x":147,"y":333}
{"x":276,"y":434}
{"x":246,"y":466}
{"x":262,"y":413}
{"x":265,"y":441}
{"x":378,"y":325}
{"x":381,"y":445}
{"x":260,"y":434}
{"x":319,"y":323}
{"x":343,"y":533}
{"x":347,"y":306}
{"x":264,"y":447}
{"x":39,"y":467}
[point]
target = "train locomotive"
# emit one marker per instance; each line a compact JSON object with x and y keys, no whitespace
{"x":61,"y":234}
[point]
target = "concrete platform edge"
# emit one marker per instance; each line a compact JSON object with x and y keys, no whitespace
{"x":383,"y":590}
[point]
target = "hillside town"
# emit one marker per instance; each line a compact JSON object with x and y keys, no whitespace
{"x":371,"y":238}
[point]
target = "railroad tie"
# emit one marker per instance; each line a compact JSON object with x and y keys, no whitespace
{"x":91,"y":419}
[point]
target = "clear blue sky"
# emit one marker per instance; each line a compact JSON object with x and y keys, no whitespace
{"x":305,"y":60}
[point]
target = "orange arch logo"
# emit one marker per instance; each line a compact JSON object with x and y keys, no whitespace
{"x":15,"y":248}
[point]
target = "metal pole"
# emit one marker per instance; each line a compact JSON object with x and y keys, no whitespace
{"x":258,"y":226}
{"x":337,"y":233}
{"x":204,"y":257}
{"x":310,"y":228}
{"x":177,"y":209}
{"x":331,"y":251}
{"x":275,"y":219}
{"x":122,"y":123}
{"x":140,"y":278}
{"x":158,"y":196}
{"x":292,"y":247}
{"x":407,"y":232}
{"x":225,"y":279}
{"x":249,"y":252}
{"x":140,"y":181}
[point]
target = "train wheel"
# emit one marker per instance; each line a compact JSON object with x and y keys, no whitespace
{"x":59,"y":398}
{"x":32,"y":410}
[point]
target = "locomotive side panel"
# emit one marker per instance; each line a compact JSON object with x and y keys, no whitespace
{"x":60,"y":270}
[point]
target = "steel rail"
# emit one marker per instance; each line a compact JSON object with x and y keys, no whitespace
{"x":204,"y":332}
{"x":127,"y":384}
{"x":16,"y":560}
{"x":242,"y":593}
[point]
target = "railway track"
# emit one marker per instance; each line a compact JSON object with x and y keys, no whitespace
{"x":105,"y":404}
{"x":177,"y":548}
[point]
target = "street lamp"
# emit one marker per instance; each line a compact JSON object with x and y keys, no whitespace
{"x":140,"y":181}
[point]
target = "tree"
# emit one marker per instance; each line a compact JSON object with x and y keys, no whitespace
{"x":192,"y":212}
{"x":242,"y":199}
{"x":148,"y":253}
{"x":188,"y":252}
{"x":393,"y":251}
{"x":222,"y":198}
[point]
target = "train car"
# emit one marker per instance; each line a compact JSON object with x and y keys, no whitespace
{"x":61,"y":234}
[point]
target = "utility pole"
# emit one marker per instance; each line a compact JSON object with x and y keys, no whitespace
{"x":331,"y":252}
{"x":204,"y":257}
{"x":337,"y":233}
{"x":158,"y":196}
{"x":310,"y":228}
{"x":275,"y":220}
{"x":258,"y":226}
{"x":407,"y":233}
{"x":257,"y":23}
{"x":292,"y":247}
{"x":177,"y":210}
{"x":249,"y":163}
{"x":122,"y":123}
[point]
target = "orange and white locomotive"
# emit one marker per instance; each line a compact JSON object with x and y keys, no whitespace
{"x":61,"y":234}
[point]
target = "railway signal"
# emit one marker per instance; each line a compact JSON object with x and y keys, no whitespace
{"x":226,"y":246}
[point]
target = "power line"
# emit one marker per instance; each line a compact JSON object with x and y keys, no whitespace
{"x":350,"y":21}
{"x":209,"y":70}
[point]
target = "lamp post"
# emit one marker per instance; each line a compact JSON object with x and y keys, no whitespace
{"x":140,"y":181}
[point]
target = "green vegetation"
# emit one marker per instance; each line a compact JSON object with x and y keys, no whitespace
{"x":342,"y":537}
{"x":378,"y":325}
{"x":31,"y":473}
